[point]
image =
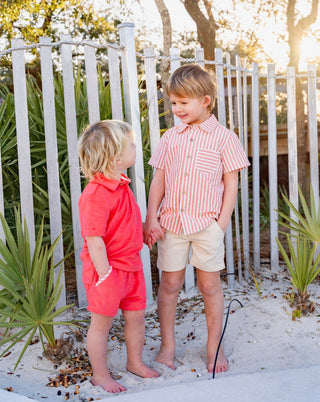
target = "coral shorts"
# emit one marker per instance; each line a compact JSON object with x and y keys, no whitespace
{"x":122,"y":289}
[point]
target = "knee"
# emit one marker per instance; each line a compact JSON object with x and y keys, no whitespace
{"x":170,"y":286}
{"x":208,"y":290}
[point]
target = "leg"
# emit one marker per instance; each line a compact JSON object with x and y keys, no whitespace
{"x":170,"y":286}
{"x":134,"y":332}
{"x":210,"y":288}
{"x":97,"y":339}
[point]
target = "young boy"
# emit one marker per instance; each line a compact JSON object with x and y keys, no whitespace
{"x":112,"y":230}
{"x":196,"y":184}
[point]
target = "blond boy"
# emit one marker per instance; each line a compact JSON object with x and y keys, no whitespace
{"x":196,"y":185}
{"x":112,"y":230}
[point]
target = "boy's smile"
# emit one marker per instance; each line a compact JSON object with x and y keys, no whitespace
{"x":191,"y":110}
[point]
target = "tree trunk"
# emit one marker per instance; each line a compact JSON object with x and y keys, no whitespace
{"x":165,"y":64}
{"x":206,"y":26}
{"x":296,"y":32}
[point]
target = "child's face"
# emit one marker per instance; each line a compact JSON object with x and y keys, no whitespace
{"x":190,"y":110}
{"x":128,"y":156}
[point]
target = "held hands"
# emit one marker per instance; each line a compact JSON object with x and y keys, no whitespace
{"x":152,"y":231}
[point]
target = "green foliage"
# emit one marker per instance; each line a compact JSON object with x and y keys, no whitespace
{"x":307,"y":222}
{"x":31,"y":19}
{"x":303,"y":259}
{"x":30,"y":292}
{"x":301,"y":262}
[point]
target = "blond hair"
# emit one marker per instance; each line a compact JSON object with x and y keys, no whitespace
{"x":192,"y":80}
{"x":100,"y":143}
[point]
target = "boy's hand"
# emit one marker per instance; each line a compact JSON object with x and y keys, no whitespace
{"x":152,"y":231}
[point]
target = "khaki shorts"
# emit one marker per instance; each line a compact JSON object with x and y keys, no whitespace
{"x":207,"y":250}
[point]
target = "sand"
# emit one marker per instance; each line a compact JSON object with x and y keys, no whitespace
{"x":261,"y":340}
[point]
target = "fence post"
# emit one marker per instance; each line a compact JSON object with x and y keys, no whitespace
{"x":273,"y":168}
{"x":313,"y":132}
{"x":131,"y":96}
{"x":23,"y":141}
{"x":243,"y":176}
{"x":292,"y":140}
{"x":255,"y":141}
{"x":50,"y":130}
{"x":74,"y":169}
{"x":92,"y":83}
{"x":223,"y":121}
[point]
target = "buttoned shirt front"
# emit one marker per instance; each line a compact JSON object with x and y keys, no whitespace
{"x":194,"y":159}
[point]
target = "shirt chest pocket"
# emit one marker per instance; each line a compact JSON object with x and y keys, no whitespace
{"x":207,"y":161}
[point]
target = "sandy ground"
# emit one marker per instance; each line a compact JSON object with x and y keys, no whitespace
{"x":261,"y":341}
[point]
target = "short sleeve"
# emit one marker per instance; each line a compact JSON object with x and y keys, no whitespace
{"x":94,"y":210}
{"x":158,"y":159}
{"x":233,"y":155}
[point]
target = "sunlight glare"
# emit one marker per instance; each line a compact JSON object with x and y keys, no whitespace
{"x":310,"y":51}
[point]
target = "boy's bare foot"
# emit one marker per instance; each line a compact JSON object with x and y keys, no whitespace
{"x":108,"y":384}
{"x":165,"y":357}
{"x":222,"y":363}
{"x":142,"y":370}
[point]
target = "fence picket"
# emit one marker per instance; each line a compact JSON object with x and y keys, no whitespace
{"x":236,"y":209}
{"x":223,"y":121}
{"x":152,"y":97}
{"x":174,"y":64}
{"x":130,"y":89}
{"x":292,"y":140}
{"x":255,"y":135}
{"x":243,"y":175}
{"x":92,"y":82}
{"x":115,"y":83}
{"x":52,"y":159}
{"x":74,"y":169}
{"x":23,"y":142}
{"x":272,"y":164}
{"x":313,"y":131}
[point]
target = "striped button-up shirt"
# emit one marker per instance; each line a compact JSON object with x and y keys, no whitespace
{"x":194,"y":159}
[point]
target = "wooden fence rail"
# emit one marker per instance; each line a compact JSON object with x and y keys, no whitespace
{"x":238,"y":95}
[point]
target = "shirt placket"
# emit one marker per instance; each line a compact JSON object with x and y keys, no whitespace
{"x":185,"y":180}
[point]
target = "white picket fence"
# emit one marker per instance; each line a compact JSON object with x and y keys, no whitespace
{"x":123,"y":68}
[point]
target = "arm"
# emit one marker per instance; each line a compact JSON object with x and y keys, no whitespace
{"x":229,"y":199}
{"x":98,"y":254}
{"x":152,"y":230}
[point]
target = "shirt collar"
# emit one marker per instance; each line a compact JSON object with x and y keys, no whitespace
{"x":206,"y":125}
{"x":110,"y":184}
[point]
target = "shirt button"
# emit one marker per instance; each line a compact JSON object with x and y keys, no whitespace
{"x":186,"y":173}
{"x":191,"y":139}
{"x":188,"y":156}
{"x":183,"y":192}
{"x":182,"y":210}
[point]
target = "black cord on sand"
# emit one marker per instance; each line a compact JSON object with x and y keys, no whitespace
{"x":224,"y":330}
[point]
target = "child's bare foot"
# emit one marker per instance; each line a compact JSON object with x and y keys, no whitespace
{"x":222,"y":363}
{"x":142,"y":370}
{"x":108,"y":384}
{"x":165,"y":357}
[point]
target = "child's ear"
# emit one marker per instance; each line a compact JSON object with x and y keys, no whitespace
{"x":206,"y":100}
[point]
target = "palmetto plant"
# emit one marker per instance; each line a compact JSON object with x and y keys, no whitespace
{"x":29,"y":292}
{"x":303,"y":259}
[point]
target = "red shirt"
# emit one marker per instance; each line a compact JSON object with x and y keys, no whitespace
{"x":108,"y":209}
{"x":194,"y":159}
